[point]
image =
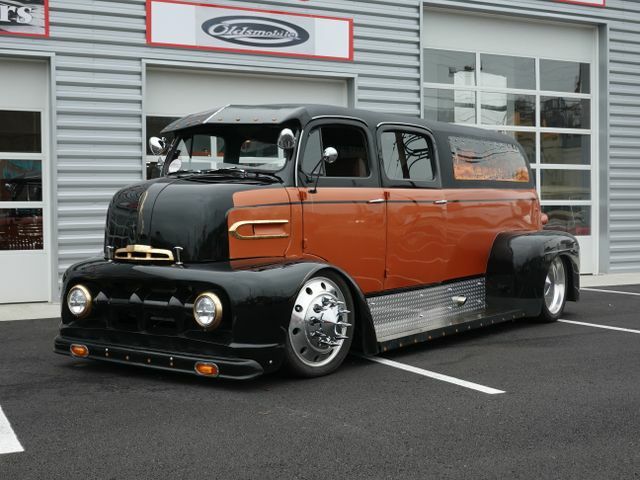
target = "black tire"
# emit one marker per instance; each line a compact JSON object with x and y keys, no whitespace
{"x":553,"y":305}
{"x":304,"y":365}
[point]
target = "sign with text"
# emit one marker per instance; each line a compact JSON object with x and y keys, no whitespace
{"x":589,"y":3}
{"x":27,"y":18}
{"x":248,"y":30}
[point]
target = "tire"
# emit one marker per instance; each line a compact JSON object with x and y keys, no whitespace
{"x":554,"y":293}
{"x":322,"y":325}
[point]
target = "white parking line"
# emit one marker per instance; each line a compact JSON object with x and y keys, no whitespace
{"x":611,"y":291}
{"x":9,"y":443}
{"x":434,"y":375}
{"x":595,"y":325}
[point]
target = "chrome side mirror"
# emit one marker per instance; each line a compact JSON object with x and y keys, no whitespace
{"x":157,"y":145}
{"x":286,"y":139}
{"x":329,"y":155}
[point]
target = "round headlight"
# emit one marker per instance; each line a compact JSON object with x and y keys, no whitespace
{"x":207,"y":310}
{"x":79,"y":301}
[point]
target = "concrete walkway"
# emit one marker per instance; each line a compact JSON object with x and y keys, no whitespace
{"x":32,"y":311}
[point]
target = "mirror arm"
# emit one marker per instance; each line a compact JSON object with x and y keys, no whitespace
{"x":310,"y":176}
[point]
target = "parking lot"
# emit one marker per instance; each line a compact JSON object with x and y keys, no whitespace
{"x":555,"y":400}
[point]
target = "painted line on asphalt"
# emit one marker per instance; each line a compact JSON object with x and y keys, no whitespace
{"x":434,"y":375}
{"x":635,"y":294}
{"x":9,"y":443}
{"x":606,"y":327}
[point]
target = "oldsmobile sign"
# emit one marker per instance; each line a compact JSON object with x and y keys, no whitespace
{"x":248,"y":30}
{"x":27,"y":17}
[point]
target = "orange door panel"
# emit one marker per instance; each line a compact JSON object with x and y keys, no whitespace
{"x":475,"y":217}
{"x":416,"y":237}
{"x":346,"y":227}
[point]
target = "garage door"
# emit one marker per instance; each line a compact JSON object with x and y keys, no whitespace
{"x":532,"y":80}
{"x":171,"y":93}
{"x":24,"y":166}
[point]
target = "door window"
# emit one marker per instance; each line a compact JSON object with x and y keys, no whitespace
{"x":351,"y":145}
{"x":407,"y":156}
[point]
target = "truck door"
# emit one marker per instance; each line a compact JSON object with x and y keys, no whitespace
{"x":416,"y":208}
{"x":344,"y":218}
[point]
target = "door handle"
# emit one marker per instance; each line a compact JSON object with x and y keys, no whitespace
{"x":376,"y":200}
{"x":440,"y":202}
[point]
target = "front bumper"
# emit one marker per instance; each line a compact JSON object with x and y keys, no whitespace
{"x":232,"y":368}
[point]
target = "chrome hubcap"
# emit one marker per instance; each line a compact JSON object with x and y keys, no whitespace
{"x":319,"y":322}
{"x":554,"y":286}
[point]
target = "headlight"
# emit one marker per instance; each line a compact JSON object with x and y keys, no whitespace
{"x":207,"y":310}
{"x":79,"y":301}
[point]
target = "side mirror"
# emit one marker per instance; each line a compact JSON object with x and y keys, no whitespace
{"x":157,"y":145}
{"x":286,"y":139}
{"x":329,"y":155}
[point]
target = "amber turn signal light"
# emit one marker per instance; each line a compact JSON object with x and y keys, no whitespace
{"x":79,"y":350}
{"x":207,"y":369}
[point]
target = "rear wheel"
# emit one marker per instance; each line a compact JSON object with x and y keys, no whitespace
{"x":321,"y":329}
{"x":555,"y":291}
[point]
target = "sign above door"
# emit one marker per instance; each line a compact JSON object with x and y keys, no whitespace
{"x":27,"y":18}
{"x":248,"y":30}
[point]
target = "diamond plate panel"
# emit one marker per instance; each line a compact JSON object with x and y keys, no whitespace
{"x":399,"y":314}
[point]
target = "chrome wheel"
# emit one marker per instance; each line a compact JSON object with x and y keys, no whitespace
{"x":555,"y":286}
{"x":319,"y":322}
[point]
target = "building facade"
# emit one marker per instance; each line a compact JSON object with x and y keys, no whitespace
{"x":84,"y":84}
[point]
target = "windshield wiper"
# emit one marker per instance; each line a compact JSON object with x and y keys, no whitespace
{"x":240,"y":172}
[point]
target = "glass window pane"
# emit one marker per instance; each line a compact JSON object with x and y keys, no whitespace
{"x":528,"y":142}
{"x":572,"y":219}
{"x":351,"y":144}
{"x":20,"y":181}
{"x":565,"y":148}
{"x":406,"y":156}
{"x":475,"y":159}
{"x":312,"y":152}
{"x":155,"y":126}
{"x":21,"y":229}
{"x":452,"y":106}
{"x":508,"y":109}
{"x":446,"y":66}
{"x":20,"y":132}
{"x":501,"y":71}
{"x":565,"y":184}
{"x":561,"y":112}
{"x":560,"y":76}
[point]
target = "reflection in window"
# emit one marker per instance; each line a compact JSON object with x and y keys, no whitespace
{"x":558,"y":76}
{"x":565,"y":148}
{"x":20,"y":180}
{"x":565,"y":184}
{"x":20,"y":131}
{"x":508,"y":109}
{"x":452,"y":106}
{"x":572,"y":219}
{"x":475,"y":159}
{"x":21,"y":229}
{"x":406,"y":156}
{"x":501,"y":71}
{"x":562,"y":112}
{"x":527,"y":141}
{"x":447,"y":66}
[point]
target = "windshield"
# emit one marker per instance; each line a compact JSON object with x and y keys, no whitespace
{"x":248,"y":147}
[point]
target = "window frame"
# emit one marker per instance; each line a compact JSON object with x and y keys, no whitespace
{"x":407,"y":183}
{"x":372,"y":180}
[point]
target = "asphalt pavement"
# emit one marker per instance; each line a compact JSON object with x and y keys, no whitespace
{"x":570,"y":409}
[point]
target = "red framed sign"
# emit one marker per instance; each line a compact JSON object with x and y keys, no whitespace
{"x":248,"y":30}
{"x":589,"y":3}
{"x":28,"y":18}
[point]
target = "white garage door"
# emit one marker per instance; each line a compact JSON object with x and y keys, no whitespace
{"x":535,"y":81}
{"x":24,"y":168}
{"x":171,"y":93}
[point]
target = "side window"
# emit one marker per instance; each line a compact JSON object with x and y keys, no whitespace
{"x":407,"y":156}
{"x":488,"y":160}
{"x":351,"y":145}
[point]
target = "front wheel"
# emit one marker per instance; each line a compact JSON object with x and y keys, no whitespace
{"x":555,"y":291}
{"x":321,"y":329}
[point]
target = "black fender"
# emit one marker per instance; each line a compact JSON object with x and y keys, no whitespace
{"x":518,"y":264}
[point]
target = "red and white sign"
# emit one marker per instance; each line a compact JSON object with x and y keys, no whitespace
{"x":28,"y":18}
{"x":248,"y":30}
{"x":589,"y":3}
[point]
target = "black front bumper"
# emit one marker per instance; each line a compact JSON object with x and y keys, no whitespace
{"x":233,"y":368}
